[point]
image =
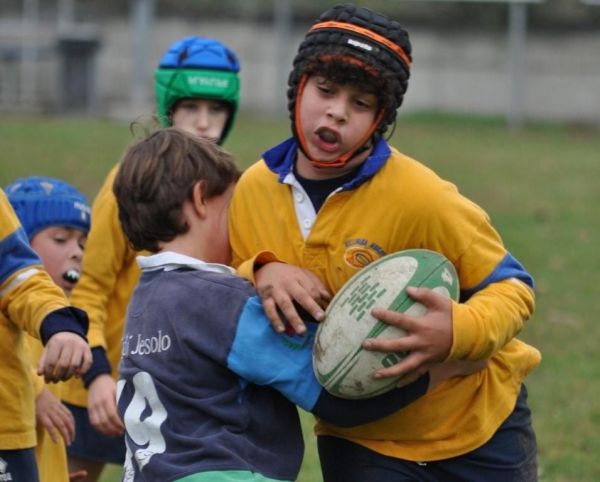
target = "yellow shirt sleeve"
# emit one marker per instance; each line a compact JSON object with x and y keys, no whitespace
{"x":490,"y":319}
{"x":27,"y":293}
{"x":109,"y":276}
{"x":106,"y":252}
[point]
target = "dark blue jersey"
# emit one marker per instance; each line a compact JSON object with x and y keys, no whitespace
{"x":206,"y":385}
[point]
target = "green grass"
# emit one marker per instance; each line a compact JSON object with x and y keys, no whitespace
{"x":540,"y":187}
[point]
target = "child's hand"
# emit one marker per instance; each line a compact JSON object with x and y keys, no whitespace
{"x":453,"y":368}
{"x":102,"y":406}
{"x":54,"y":417}
{"x":66,"y":354}
{"x":280,"y":285}
{"x":428,"y":338}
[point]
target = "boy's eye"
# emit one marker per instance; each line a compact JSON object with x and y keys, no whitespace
{"x":59,"y":239}
{"x":366,"y":102}
{"x":186,"y":105}
{"x":217,"y":107}
{"x":324,"y":86}
{"x":81,"y":242}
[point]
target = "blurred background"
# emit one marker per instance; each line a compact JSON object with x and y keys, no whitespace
{"x":522,"y":59}
{"x":504,"y":101}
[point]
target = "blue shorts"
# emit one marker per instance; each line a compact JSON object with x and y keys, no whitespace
{"x":18,"y":465}
{"x":510,"y":455}
{"x":89,"y":444}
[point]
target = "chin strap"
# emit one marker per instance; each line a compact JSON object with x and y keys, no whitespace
{"x":344,"y":158}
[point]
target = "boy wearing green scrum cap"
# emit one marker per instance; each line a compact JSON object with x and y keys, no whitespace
{"x":197,"y":90}
{"x":199,"y":72}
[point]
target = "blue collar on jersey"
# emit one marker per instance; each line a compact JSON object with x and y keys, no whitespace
{"x":280,"y":160}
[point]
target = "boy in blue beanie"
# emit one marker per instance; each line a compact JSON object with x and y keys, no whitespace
{"x":56,"y":220}
{"x":30,"y":302}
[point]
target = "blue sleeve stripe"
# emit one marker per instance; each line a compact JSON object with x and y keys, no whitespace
{"x":16,"y":254}
{"x":264,"y":357}
{"x":508,"y":268}
{"x":100,"y":366}
{"x":68,"y":318}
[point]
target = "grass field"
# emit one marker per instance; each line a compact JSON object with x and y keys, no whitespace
{"x":540,"y":186}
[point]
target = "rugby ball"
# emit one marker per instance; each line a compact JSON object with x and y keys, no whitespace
{"x":340,"y":363}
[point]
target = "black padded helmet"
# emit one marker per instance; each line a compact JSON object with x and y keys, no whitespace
{"x":372,"y":40}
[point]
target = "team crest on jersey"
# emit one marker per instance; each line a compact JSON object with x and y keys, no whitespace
{"x":361,"y":252}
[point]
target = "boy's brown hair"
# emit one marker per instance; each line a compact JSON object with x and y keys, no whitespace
{"x":157,"y":175}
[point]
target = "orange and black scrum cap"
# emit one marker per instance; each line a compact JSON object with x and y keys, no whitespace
{"x":359,"y":36}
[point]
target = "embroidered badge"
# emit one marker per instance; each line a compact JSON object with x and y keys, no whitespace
{"x":360,"y":252}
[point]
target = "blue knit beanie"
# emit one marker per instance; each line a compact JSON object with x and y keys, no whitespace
{"x":41,"y":202}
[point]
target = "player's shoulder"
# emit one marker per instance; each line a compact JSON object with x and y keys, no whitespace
{"x":227,"y":285}
{"x":257,"y":172}
{"x":188,"y":289}
{"x":408,"y":166}
{"x":406,"y":178}
{"x":229,"y":281}
{"x":404,"y":175}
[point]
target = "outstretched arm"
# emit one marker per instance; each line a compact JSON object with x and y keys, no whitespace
{"x":284,"y":362}
{"x":107,"y":256}
{"x":105,"y":253}
{"x":349,"y":413}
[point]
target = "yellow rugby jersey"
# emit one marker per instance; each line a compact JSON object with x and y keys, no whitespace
{"x":109,"y":275}
{"x":27,"y":296}
{"x":397,"y":203}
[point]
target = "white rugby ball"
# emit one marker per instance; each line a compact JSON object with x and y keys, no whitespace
{"x":340,"y":363}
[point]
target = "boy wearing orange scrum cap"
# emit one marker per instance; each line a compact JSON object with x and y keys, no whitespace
{"x":321,"y":205}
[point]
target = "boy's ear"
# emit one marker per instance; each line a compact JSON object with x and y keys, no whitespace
{"x":198,"y":199}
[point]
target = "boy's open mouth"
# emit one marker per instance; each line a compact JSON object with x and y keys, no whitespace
{"x":72,"y":275}
{"x":327,"y":135}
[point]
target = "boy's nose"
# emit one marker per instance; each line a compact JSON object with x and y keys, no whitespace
{"x":338,"y":112}
{"x":76,"y":252}
{"x":202,"y":119}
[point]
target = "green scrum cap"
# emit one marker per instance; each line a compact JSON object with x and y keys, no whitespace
{"x":196,"y":67}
